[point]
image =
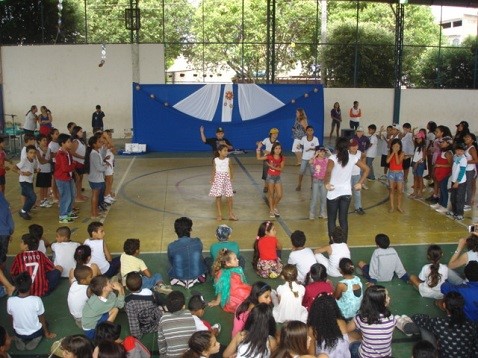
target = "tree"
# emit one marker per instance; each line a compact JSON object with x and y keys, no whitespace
{"x":450,"y":67}
{"x":375,"y":53}
{"x":106,"y":23}
{"x":33,"y":21}
{"x":224,"y":33}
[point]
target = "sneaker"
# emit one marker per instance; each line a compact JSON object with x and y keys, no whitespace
{"x":276,"y":213}
{"x":25,"y":216}
{"x":217,"y":326}
{"x":435,"y":206}
{"x":371,"y":179}
{"x":311,"y":217}
{"x":272,"y":215}
{"x":432,"y":199}
{"x":73,"y":215}
{"x":382,"y":177}
{"x":450,"y":213}
{"x":45,"y":204}
{"x":467,"y":208}
{"x":360,"y":211}
{"x":441,"y":210}
{"x":109,"y":200}
{"x":458,"y":217}
{"x":162,"y":288}
{"x":407,"y":326}
{"x":364,"y":187}
{"x":65,"y":220}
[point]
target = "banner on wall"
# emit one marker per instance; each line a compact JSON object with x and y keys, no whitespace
{"x":167,"y":117}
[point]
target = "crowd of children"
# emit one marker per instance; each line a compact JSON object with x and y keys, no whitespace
{"x":339,"y":320}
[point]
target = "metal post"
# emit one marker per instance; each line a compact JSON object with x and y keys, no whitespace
{"x":399,"y":27}
{"x":271,"y":41}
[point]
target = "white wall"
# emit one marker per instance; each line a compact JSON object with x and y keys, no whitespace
{"x":67,"y":79}
{"x":418,"y":106}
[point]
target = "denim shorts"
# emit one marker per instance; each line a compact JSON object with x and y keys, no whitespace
{"x":418,"y":169}
{"x":273,"y":179}
{"x":395,"y":176}
{"x":97,"y":186}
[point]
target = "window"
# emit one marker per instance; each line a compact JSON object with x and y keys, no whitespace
{"x":457,"y":23}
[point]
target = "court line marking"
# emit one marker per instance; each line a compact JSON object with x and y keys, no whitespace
{"x":120,"y":184}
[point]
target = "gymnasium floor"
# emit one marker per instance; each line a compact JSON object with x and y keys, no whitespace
{"x":155,"y":189}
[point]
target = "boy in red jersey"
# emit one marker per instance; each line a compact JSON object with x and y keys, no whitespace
{"x":44,"y":274}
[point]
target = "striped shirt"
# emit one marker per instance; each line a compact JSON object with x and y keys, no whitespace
{"x":376,"y":338}
{"x":174,"y":331}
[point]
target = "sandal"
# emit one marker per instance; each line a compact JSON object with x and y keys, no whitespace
{"x":233,"y":217}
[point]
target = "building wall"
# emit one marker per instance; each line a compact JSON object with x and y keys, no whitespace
{"x":68,"y":80}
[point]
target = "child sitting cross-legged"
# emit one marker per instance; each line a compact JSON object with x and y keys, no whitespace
{"x":64,"y":250}
{"x":27,"y":311}
{"x":100,"y":253}
{"x":45,"y":275}
{"x":384,"y":264}
{"x":142,"y":307}
{"x":229,"y":282}
{"x":300,"y":256}
{"x":103,"y":305}
{"x":78,"y":292}
{"x":130,"y":262}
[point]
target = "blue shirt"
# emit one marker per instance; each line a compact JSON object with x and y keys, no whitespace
{"x":6,"y":221}
{"x":469,"y":291}
{"x":185,"y":257}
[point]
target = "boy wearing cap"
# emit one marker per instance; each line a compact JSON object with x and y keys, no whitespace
{"x":215,"y":141}
{"x":308,"y":143}
{"x":458,"y":182}
{"x":223,"y":233}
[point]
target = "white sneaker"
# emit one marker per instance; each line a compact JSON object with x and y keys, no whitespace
{"x":111,"y":198}
{"x":45,"y":204}
{"x":467,"y":208}
{"x":435,"y":206}
{"x":108,"y":200}
{"x":441,"y":210}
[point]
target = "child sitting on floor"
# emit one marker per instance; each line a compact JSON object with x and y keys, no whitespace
{"x":266,"y":260}
{"x":100,"y":254}
{"x":27,"y":311}
{"x":141,"y":306}
{"x":103,"y":305}
{"x":302,"y":257}
{"x":78,"y":292}
{"x":384,"y":264}
{"x":229,"y":282}
{"x":45,"y":275}
{"x":64,"y":250}
{"x":37,"y":231}
{"x":223,"y":235}
{"x":130,"y":262}
{"x":197,"y":307}
{"x":316,"y":283}
{"x":349,"y":291}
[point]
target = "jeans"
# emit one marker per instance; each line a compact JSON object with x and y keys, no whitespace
{"x":443,"y":185}
{"x":150,"y":282}
{"x":53,"y":278}
{"x":29,"y":194}
{"x":66,"y":188}
{"x":318,"y":193}
{"x":338,"y":206}
{"x":354,"y":125}
{"x":369,"y":162}
{"x":470,"y":178}
{"x":115,"y":265}
{"x":457,"y":199}
{"x":354,"y":349}
{"x":357,"y":194}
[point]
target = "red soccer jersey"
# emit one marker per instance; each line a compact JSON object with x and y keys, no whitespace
{"x":37,"y":265}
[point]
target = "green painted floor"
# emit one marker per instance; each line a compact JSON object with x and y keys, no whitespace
{"x":405,"y":300}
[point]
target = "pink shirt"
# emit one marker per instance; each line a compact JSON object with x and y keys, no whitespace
{"x":319,"y":166}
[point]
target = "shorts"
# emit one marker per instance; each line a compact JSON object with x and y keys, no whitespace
{"x":383,"y":161}
{"x":80,"y":169}
{"x":303,"y":167}
{"x":43,"y":180}
{"x":418,"y":169}
{"x":407,"y":163}
{"x":295,"y":146}
{"x":97,"y":186}
{"x":2,"y":180}
{"x":395,"y":176}
{"x":273,"y":179}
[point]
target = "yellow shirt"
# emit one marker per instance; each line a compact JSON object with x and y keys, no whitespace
{"x":130,"y":263}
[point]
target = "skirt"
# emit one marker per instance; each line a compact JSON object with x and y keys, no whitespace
{"x":269,"y":268}
{"x":221,"y":185}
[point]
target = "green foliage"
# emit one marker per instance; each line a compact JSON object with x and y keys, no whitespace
{"x":375,"y":50}
{"x":21,"y":22}
{"x":449,"y":67}
{"x":221,"y":39}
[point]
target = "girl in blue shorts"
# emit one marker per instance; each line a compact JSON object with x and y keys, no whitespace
{"x":395,"y":174}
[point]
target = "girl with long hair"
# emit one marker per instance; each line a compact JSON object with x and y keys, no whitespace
{"x":230,"y":283}
{"x":435,"y":149}
{"x":418,"y":165}
{"x":298,"y":132}
{"x":202,"y":344}
{"x":45,"y":119}
{"x":267,"y":143}
{"x":328,"y":328}
{"x":373,"y":316}
{"x":294,"y":341}
{"x":395,"y":174}
{"x":258,"y":337}
{"x":349,"y":290}
{"x":442,"y":172}
{"x":78,"y":151}
{"x":337,"y":180}
{"x":260,"y":293}
{"x":82,"y":257}
{"x":221,"y":181}
{"x":336,"y":115}
{"x":432,"y":275}
{"x":275,"y":162}
{"x":266,"y":258}
{"x":95,"y":166}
